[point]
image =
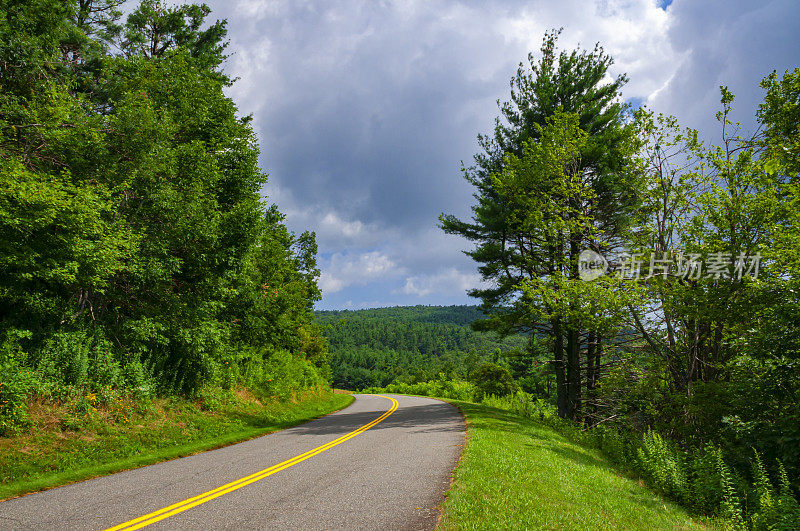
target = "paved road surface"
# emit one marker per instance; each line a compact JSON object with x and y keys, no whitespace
{"x":390,"y":476}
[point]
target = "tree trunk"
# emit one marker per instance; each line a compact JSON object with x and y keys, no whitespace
{"x":598,"y":355}
{"x":558,"y":367}
{"x":573,"y":338}
{"x":590,"y":367}
{"x":573,"y":374}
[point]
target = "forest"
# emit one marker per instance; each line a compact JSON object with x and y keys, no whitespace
{"x":137,"y":256}
{"x":375,"y":347}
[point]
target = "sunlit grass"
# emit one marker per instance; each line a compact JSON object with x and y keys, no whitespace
{"x":517,"y":474}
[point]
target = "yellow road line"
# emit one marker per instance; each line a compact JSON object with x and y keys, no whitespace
{"x":185,"y":505}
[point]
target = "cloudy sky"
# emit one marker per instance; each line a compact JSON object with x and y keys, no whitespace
{"x":364,"y":110}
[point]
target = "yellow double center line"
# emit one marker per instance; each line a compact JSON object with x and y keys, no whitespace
{"x":185,"y":505}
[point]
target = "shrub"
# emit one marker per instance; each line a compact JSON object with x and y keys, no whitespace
{"x":731,"y":504}
{"x":774,"y":510}
{"x":103,"y":371}
{"x":787,"y":508}
{"x":524,"y":405}
{"x":137,"y":380}
{"x":612,"y":443}
{"x":491,"y":379}
{"x":706,"y":481}
{"x":15,"y":384}
{"x":662,"y":465}
{"x":64,"y":358}
{"x":452,"y":389}
{"x":281,"y":375}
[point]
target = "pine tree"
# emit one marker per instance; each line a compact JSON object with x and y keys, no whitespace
{"x":558,"y":94}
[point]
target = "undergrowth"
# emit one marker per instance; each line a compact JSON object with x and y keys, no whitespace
{"x":77,"y":437}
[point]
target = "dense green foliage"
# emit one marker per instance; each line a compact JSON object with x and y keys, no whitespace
{"x":409,"y":344}
{"x":491,"y":379}
{"x":452,"y":389}
{"x":135,"y":249}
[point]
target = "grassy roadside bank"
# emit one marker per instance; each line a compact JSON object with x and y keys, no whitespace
{"x":59,"y":448}
{"x":518,"y":474}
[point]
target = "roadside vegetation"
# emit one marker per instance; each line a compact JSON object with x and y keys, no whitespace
{"x":79,"y":437}
{"x":723,"y":480}
{"x":699,"y":481}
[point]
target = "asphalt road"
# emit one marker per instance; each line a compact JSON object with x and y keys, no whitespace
{"x":389,"y":476}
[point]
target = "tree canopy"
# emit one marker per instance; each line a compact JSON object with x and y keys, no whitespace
{"x":131,"y":221}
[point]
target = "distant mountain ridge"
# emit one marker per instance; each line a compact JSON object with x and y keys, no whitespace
{"x":373,"y":347}
{"x":461,"y":315}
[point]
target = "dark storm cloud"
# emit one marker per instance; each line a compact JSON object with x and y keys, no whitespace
{"x":374,"y":111}
{"x":364,"y":110}
{"x":733,"y":43}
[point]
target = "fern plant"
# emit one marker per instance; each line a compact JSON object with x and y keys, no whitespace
{"x":775,"y":511}
{"x":731,"y":504}
{"x":662,"y":465}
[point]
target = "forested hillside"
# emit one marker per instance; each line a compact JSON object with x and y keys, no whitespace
{"x":137,"y":256}
{"x":409,"y":344}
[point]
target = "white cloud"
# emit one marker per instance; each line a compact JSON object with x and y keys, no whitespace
{"x":345,"y":269}
{"x":446,"y":282}
{"x":726,"y":42}
{"x":335,"y":233}
{"x":348,"y":229}
{"x":634,"y":32}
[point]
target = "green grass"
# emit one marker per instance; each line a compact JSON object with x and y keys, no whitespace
{"x":518,"y":474}
{"x":61,"y":447}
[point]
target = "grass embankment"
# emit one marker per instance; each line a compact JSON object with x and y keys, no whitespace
{"x":62,"y":447}
{"x":518,"y":474}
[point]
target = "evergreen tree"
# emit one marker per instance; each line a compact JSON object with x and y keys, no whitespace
{"x":602,"y":166}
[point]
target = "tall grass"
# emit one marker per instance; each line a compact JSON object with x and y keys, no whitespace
{"x":74,"y":365}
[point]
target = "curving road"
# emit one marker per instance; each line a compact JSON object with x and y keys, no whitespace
{"x":382,"y":463}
